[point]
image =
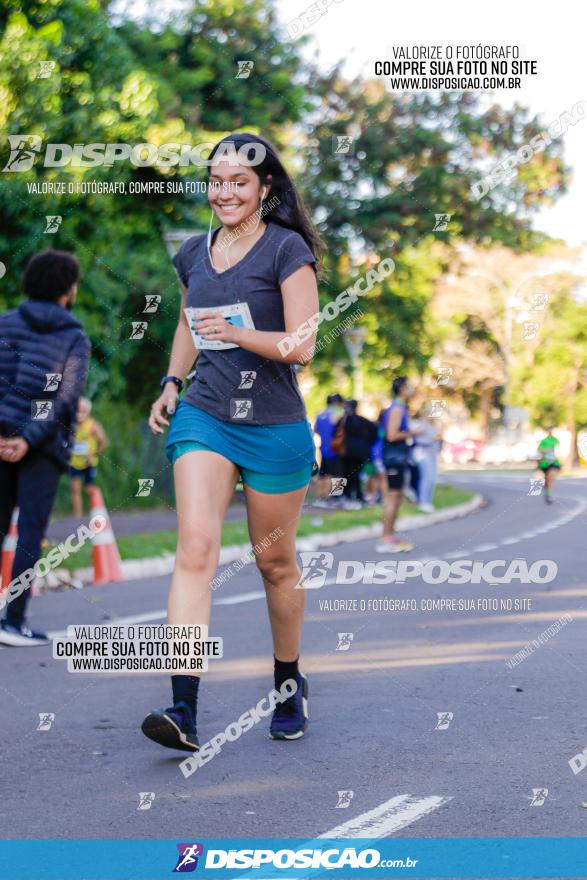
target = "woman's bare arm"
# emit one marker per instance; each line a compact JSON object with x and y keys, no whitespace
{"x":183,"y":351}
{"x":181,"y":361}
{"x":296,"y":344}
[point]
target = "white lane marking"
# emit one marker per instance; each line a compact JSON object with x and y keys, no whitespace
{"x":389,"y":817}
{"x":162,"y":613}
{"x":576,"y":511}
{"x":237,"y":599}
{"x":386,"y":819}
{"x":258,"y":594}
{"x":115,"y":621}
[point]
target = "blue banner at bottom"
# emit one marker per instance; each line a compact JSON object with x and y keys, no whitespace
{"x":258,"y":859}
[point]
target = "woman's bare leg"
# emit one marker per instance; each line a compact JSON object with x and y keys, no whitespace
{"x":204,"y":486}
{"x":274,"y":520}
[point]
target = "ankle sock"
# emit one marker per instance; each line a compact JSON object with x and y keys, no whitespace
{"x":185,"y":689}
{"x":285,"y":669}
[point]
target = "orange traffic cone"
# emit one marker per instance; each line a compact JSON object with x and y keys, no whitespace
{"x":105,"y":554}
{"x":9,"y":549}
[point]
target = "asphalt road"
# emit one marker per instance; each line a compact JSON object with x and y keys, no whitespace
{"x":374,"y":707}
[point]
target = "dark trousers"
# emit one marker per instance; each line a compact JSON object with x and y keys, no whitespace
{"x":352,"y":468}
{"x":31,"y":485}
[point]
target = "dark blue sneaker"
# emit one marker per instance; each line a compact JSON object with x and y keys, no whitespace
{"x":174,"y":728}
{"x":290,"y":718}
{"x":19,"y":635}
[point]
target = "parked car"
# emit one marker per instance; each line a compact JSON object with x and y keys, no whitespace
{"x":462,"y":451}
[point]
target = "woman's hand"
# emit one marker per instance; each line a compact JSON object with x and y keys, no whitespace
{"x":212,"y":326}
{"x":164,"y":405}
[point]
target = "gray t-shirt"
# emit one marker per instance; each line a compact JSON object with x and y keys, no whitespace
{"x":219,"y":382}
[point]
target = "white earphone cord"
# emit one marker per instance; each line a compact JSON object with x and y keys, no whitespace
{"x":260,"y":212}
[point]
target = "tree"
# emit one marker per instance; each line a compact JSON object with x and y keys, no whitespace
{"x":127,"y":85}
{"x":551,"y":379}
{"x":414,"y":157}
{"x":493,"y":313}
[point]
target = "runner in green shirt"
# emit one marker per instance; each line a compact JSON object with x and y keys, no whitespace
{"x":548,"y":462}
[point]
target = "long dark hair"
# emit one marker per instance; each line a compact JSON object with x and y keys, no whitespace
{"x":289,"y":211}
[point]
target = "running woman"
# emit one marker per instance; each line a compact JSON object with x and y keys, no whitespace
{"x":548,"y":462}
{"x":243,"y":413}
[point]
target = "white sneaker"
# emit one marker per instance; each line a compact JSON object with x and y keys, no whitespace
{"x":426,"y":508}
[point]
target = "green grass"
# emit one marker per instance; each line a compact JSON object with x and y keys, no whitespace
{"x":157,"y":543}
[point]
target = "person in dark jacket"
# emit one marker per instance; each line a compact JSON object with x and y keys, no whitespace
{"x":360,"y":435}
{"x":330,"y":464}
{"x":44,"y":357}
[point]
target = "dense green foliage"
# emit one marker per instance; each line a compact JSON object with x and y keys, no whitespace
{"x":414,"y":156}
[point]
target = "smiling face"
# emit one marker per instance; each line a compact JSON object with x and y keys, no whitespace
{"x":234,"y":192}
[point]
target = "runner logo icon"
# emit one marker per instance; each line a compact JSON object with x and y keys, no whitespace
{"x":344,"y":799}
{"x":444,"y":719}
{"x":53,"y":222}
{"x":344,"y":641}
{"x":441,"y":222}
{"x":46,"y":719}
{"x":247,"y":378}
{"x":241,"y":409}
{"x":315,"y":564}
{"x":24,"y":149}
{"x":338,"y":484}
{"x":53,"y":380}
{"x":188,"y":857}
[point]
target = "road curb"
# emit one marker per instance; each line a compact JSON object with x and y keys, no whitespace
{"x":153,"y":566}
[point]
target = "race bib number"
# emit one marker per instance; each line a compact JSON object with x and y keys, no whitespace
{"x":80,"y":447}
{"x":237,"y":314}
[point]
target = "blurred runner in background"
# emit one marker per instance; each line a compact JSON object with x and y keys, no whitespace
{"x":412,"y":482}
{"x":395,"y":458}
{"x":90,"y":442}
{"x":548,"y":462}
{"x":426,"y":450}
{"x":331,"y":465}
{"x":360,"y":435}
{"x":376,"y":487}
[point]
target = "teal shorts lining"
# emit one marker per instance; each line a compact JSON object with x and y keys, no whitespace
{"x":272,"y":484}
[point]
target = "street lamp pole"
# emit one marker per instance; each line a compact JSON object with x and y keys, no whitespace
{"x":354,"y":339}
{"x":174,"y":239}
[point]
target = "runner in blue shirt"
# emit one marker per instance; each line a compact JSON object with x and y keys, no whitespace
{"x":395,"y":458}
